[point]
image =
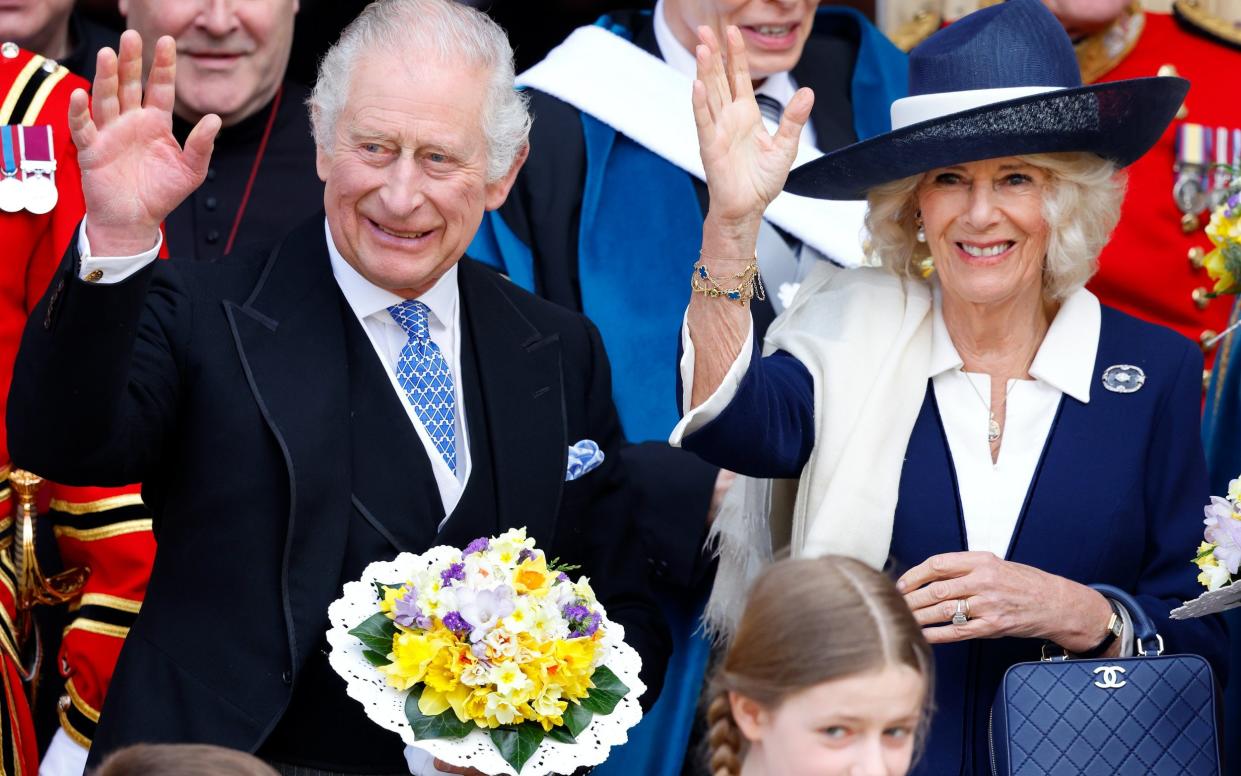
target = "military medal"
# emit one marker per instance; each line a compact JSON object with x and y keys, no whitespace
{"x":38,"y":169}
{"x":11,"y":200}
{"x":1190,"y":190}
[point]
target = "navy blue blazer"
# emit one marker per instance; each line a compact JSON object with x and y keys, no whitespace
{"x":1117,"y":498}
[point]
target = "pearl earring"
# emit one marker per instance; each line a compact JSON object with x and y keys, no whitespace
{"x":921,"y":235}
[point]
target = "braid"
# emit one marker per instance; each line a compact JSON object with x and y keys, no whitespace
{"x":723,"y":737}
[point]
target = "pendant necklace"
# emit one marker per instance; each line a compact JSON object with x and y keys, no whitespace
{"x":993,"y":425}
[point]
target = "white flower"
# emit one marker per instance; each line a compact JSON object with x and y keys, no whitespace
{"x":482,"y":571}
{"x":476,"y":674}
{"x":483,"y":609}
{"x":501,"y":644}
{"x":1216,"y":576}
{"x":523,"y":615}
{"x":510,"y":681}
{"x":503,"y":711}
{"x":1234,"y":490}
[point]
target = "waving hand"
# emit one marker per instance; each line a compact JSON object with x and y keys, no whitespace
{"x":746,"y":166}
{"x":134,"y":173}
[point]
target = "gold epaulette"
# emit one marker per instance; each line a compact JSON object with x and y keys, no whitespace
{"x":1195,"y":14}
{"x":916,"y":30}
{"x":26,"y":95}
{"x":1099,"y":52}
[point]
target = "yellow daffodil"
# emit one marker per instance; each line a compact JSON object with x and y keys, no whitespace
{"x":433,"y":702}
{"x":533,"y":577}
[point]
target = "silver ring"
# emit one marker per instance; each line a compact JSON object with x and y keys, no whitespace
{"x":963,"y":612}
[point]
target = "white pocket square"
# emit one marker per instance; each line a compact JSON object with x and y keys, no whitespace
{"x":584,"y":456}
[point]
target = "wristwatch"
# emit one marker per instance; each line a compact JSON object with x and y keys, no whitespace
{"x":1115,"y":627}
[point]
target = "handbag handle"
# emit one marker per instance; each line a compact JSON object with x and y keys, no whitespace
{"x":1143,"y":626}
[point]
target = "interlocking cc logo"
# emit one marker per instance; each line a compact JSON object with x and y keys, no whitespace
{"x":1111,"y":677}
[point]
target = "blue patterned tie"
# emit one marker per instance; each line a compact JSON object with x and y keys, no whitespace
{"x":423,"y":374}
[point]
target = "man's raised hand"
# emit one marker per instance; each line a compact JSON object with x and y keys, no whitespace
{"x":134,"y":173}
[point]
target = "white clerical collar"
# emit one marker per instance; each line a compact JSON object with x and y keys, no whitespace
{"x":1064,"y":361}
{"x":779,"y":86}
{"x":366,"y":298}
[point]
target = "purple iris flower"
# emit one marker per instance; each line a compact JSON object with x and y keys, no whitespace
{"x":455,"y":571}
{"x":1225,"y":532}
{"x":478,"y":545}
{"x":408,"y":614}
{"x":525,"y":555}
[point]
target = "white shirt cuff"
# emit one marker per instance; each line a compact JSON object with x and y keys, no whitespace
{"x":64,"y":757}
{"x":697,"y":417}
{"x":106,"y":270}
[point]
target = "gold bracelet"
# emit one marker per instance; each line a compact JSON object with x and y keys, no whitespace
{"x":748,"y":284}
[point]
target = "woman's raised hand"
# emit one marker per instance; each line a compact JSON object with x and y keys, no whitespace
{"x":134,"y":173}
{"x":746,"y":166}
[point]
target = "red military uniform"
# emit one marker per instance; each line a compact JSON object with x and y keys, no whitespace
{"x":106,"y":530}
{"x":1147,"y":269}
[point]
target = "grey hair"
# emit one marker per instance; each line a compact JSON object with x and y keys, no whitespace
{"x":1081,"y":206}
{"x":456,"y":35}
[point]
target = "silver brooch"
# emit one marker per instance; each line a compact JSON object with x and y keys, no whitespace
{"x":1123,"y":378}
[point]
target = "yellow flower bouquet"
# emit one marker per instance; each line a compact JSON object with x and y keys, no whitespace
{"x":490,"y":651}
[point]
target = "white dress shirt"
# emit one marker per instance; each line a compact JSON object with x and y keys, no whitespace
{"x":370,"y":304}
{"x":992,"y":494}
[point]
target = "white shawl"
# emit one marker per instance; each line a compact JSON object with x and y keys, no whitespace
{"x":865,"y":336}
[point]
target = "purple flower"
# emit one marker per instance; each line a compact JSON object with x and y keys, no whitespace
{"x":454,"y":622}
{"x":563,"y":577}
{"x":525,"y":555}
{"x":455,"y":571}
{"x":484,"y":608}
{"x":582,"y":621}
{"x":1225,"y":531}
{"x":1234,"y":200}
{"x":408,"y":613}
{"x":478,"y":545}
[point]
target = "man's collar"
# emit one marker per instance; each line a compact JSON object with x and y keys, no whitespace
{"x":779,"y":86}
{"x":1064,"y":361}
{"x":367,"y":299}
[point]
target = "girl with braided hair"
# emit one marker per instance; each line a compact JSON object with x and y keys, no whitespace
{"x":828,"y":675}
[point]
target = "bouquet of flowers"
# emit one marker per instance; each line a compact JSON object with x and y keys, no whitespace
{"x":1219,"y":557}
{"x":488,"y":652}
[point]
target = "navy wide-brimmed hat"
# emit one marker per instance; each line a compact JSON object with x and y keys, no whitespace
{"x":1002,"y":81}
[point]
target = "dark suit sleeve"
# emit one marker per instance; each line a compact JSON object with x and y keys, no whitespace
{"x":96,"y":383}
{"x":767,"y":430}
{"x":598,"y":511}
{"x":1174,"y":509}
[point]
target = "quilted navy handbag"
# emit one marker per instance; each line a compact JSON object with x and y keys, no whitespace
{"x":1149,"y":714}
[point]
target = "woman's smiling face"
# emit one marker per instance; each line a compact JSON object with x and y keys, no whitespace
{"x":985,"y":228}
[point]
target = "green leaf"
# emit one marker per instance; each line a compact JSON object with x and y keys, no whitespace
{"x":375,"y":658}
{"x":517,"y":744}
{"x":562,"y":734}
{"x":376,"y":633}
{"x":445,"y":725}
{"x":607,"y":692}
{"x":576,"y":719}
{"x":1232,"y":260}
{"x":555,"y":564}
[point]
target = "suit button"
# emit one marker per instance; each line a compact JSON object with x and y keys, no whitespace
{"x":9,"y":51}
{"x":1206,"y":380}
{"x":1207,"y":341}
{"x":1201,"y":298}
{"x":287,"y":677}
{"x":211,"y":203}
{"x":1195,"y":256}
{"x":213,"y":236}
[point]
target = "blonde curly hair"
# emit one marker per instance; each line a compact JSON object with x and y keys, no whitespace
{"x":1081,"y":205}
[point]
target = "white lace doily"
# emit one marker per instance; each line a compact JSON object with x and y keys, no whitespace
{"x":385,"y":705}
{"x":1210,"y":602}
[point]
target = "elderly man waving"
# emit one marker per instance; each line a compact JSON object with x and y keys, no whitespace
{"x":256,"y":398}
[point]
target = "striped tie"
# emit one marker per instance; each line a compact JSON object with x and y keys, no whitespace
{"x":770,"y":107}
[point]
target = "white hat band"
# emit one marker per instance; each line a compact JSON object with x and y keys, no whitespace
{"x":923,"y":107}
